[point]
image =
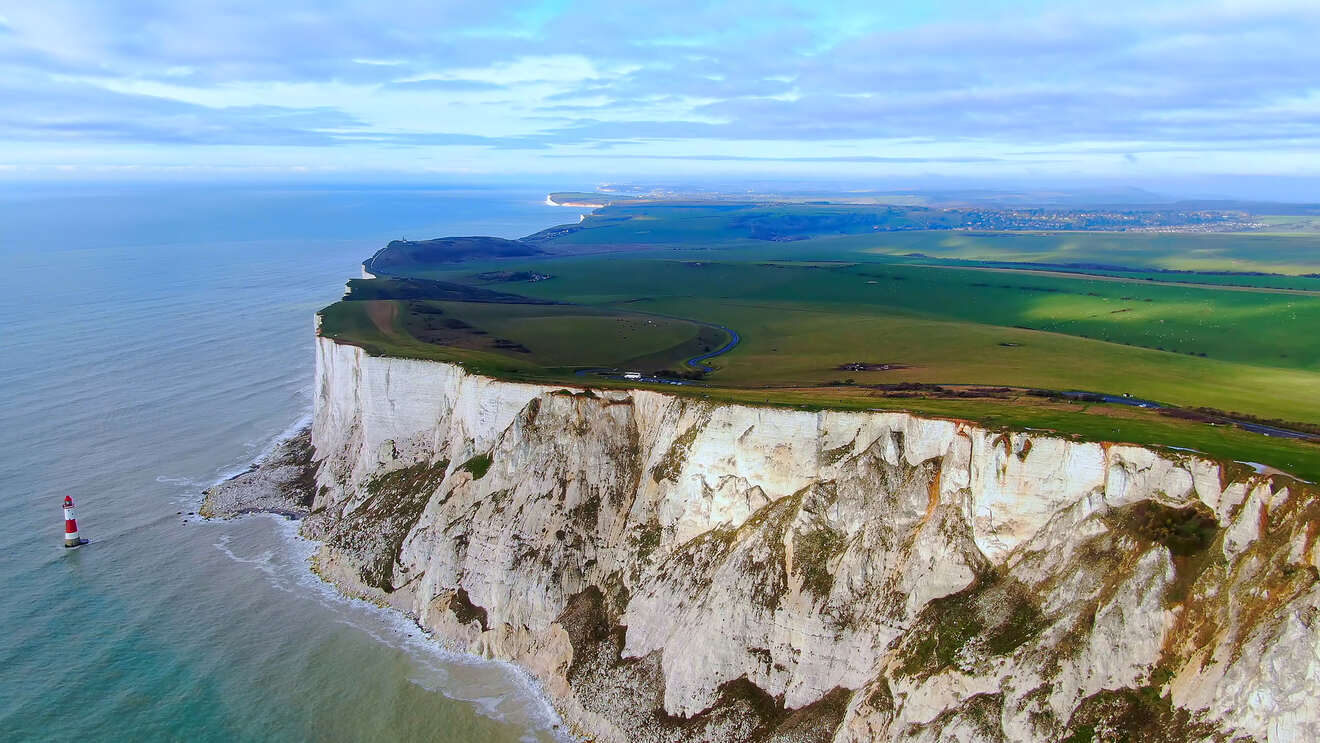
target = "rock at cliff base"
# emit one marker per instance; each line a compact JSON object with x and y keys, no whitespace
{"x":282,"y":483}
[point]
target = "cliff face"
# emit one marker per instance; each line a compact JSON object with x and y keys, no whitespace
{"x":673,"y":569}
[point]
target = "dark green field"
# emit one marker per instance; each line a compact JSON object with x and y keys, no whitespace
{"x":519,"y":339}
{"x":843,"y":319}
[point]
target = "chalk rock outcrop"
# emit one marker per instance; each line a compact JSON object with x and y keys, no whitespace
{"x":674,"y":569}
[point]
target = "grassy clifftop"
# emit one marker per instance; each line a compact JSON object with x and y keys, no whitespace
{"x":967,"y":326}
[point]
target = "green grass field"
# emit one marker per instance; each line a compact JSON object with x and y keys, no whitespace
{"x":521,"y":339}
{"x":659,"y":277}
{"x":1257,"y":327}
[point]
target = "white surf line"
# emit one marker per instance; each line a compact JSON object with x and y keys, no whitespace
{"x":400,"y":632}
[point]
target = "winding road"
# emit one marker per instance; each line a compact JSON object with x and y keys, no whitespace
{"x":734,"y":339}
{"x":694,"y":362}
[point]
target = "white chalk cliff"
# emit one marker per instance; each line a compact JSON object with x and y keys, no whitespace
{"x":674,"y":569}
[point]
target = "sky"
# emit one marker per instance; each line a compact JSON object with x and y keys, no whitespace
{"x":1116,"y":91}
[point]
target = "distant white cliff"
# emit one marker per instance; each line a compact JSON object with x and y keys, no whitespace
{"x":551,"y":200}
{"x":673,"y":569}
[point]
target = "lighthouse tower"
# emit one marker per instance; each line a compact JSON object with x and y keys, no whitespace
{"x":71,"y":538}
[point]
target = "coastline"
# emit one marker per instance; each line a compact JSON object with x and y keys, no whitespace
{"x":279,"y":483}
{"x":460,"y":498}
{"x":579,"y":204}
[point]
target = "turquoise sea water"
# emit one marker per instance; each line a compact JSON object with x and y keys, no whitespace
{"x":153,"y":340}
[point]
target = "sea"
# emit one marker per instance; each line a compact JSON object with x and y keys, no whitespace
{"x":155,"y":339}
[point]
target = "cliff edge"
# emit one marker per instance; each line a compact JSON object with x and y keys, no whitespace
{"x":672,"y":569}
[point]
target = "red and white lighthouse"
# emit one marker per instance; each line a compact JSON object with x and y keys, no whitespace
{"x":71,"y":538}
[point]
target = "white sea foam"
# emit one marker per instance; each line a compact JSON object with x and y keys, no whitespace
{"x":288,"y":568}
{"x":265,"y":448}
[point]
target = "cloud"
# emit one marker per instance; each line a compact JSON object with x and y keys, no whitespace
{"x":437,"y":85}
{"x":585,"y":75}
